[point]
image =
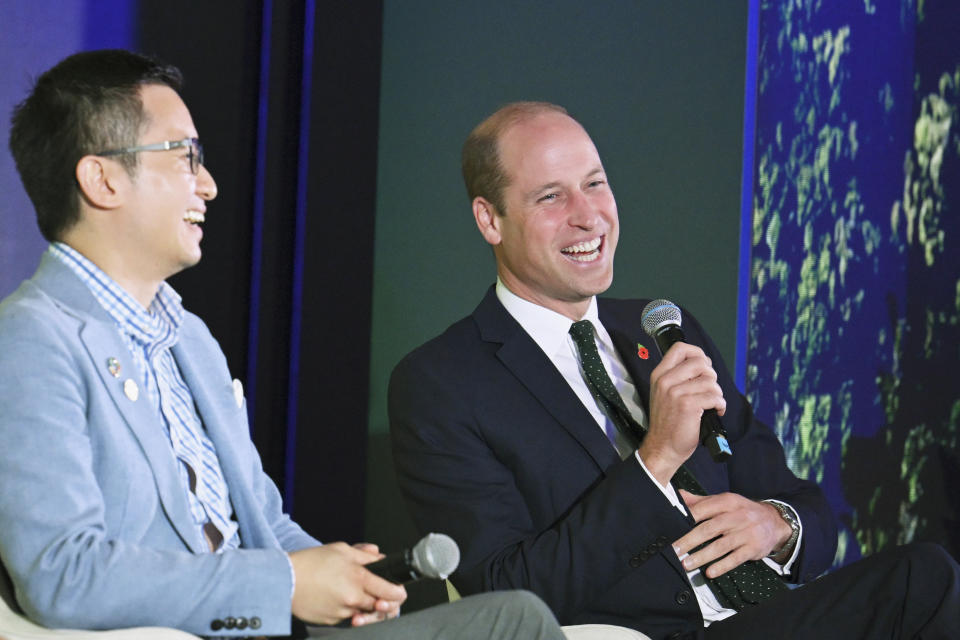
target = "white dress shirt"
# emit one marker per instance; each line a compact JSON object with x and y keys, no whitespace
{"x":551,"y":331}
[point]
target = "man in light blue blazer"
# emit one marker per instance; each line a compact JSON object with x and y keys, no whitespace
{"x":130,"y":491}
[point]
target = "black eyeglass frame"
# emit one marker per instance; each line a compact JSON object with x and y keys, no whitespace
{"x":194,"y":150}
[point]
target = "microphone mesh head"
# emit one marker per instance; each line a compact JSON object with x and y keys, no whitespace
{"x":658,"y":314}
{"x":436,"y":556}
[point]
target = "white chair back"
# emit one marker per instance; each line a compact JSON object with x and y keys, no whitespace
{"x":602,"y":632}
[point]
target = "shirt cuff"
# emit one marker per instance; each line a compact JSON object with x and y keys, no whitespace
{"x":293,"y":576}
{"x":668,"y":491}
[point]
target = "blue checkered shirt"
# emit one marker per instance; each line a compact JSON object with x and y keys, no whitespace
{"x":149,"y":336}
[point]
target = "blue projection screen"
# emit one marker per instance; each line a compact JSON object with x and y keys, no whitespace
{"x":854,"y":284}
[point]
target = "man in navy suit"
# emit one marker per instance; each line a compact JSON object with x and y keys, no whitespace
{"x":130,"y":491}
{"x":609,"y":508}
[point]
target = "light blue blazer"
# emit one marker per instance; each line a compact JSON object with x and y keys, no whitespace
{"x":95,"y":529}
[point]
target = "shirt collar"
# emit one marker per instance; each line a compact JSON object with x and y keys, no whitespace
{"x":549,"y":329}
{"x":159,"y":324}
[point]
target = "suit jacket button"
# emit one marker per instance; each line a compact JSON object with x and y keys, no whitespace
{"x":230,"y":623}
{"x":661,"y":540}
{"x":216,"y":624}
{"x":254,"y":622}
{"x":242,"y":623}
{"x":682,"y":597}
{"x":636,"y":561}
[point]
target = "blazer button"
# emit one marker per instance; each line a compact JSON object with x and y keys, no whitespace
{"x":230,"y":623}
{"x":242,"y":623}
{"x":254,"y":622}
{"x":216,"y":624}
{"x":682,"y":597}
{"x":636,"y":561}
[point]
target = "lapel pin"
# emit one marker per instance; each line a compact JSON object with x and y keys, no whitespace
{"x":131,"y":390}
{"x":642,"y":351}
{"x":113,"y":366}
{"x":238,"y":392}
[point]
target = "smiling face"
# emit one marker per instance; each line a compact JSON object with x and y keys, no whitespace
{"x":555,"y":242}
{"x":166,"y":202}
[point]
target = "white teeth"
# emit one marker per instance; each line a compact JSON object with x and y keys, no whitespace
{"x":582,"y":247}
{"x":194,"y":217}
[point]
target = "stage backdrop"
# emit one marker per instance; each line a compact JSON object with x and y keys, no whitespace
{"x":334,"y":134}
{"x":854,"y":277}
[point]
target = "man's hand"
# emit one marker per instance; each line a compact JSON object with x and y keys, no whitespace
{"x":682,"y":387}
{"x":744,"y":530}
{"x":332,"y":584}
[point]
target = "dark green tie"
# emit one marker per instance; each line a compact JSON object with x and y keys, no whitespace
{"x":750,"y":583}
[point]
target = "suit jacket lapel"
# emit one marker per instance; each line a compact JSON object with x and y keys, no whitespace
{"x":102,"y":341}
{"x":525,"y":360}
{"x":212,"y":390}
{"x":628,"y":338}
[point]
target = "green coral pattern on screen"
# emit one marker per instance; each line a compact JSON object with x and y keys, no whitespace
{"x":854,"y":333}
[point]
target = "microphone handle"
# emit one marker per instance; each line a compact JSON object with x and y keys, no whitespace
{"x":395,"y":567}
{"x":712,"y":434}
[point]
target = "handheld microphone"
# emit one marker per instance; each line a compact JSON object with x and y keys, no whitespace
{"x":435,"y":556}
{"x":661,"y":321}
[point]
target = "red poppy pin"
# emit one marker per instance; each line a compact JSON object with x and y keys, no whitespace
{"x":642,"y":351}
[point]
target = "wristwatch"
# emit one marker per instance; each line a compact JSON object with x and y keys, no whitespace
{"x":790,"y":518}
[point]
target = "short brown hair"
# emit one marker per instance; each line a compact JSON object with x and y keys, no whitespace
{"x":483,"y":173}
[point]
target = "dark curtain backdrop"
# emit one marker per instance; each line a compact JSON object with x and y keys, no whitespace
{"x":285,"y":96}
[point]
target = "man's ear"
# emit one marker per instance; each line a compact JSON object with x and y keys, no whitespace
{"x":488,"y":220}
{"x":101,"y":181}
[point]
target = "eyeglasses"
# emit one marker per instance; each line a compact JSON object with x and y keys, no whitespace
{"x":194,"y":150}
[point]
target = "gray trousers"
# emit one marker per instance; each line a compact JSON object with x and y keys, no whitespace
{"x":502,"y":615}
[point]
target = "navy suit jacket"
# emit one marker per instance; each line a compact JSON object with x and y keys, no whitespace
{"x":493,"y":448}
{"x":95,"y":529}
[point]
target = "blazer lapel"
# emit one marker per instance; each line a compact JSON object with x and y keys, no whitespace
{"x":525,"y":360}
{"x":628,"y":340}
{"x":212,"y":390}
{"x":102,"y":341}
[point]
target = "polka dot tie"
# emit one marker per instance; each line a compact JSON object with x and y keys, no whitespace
{"x":748,"y":584}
